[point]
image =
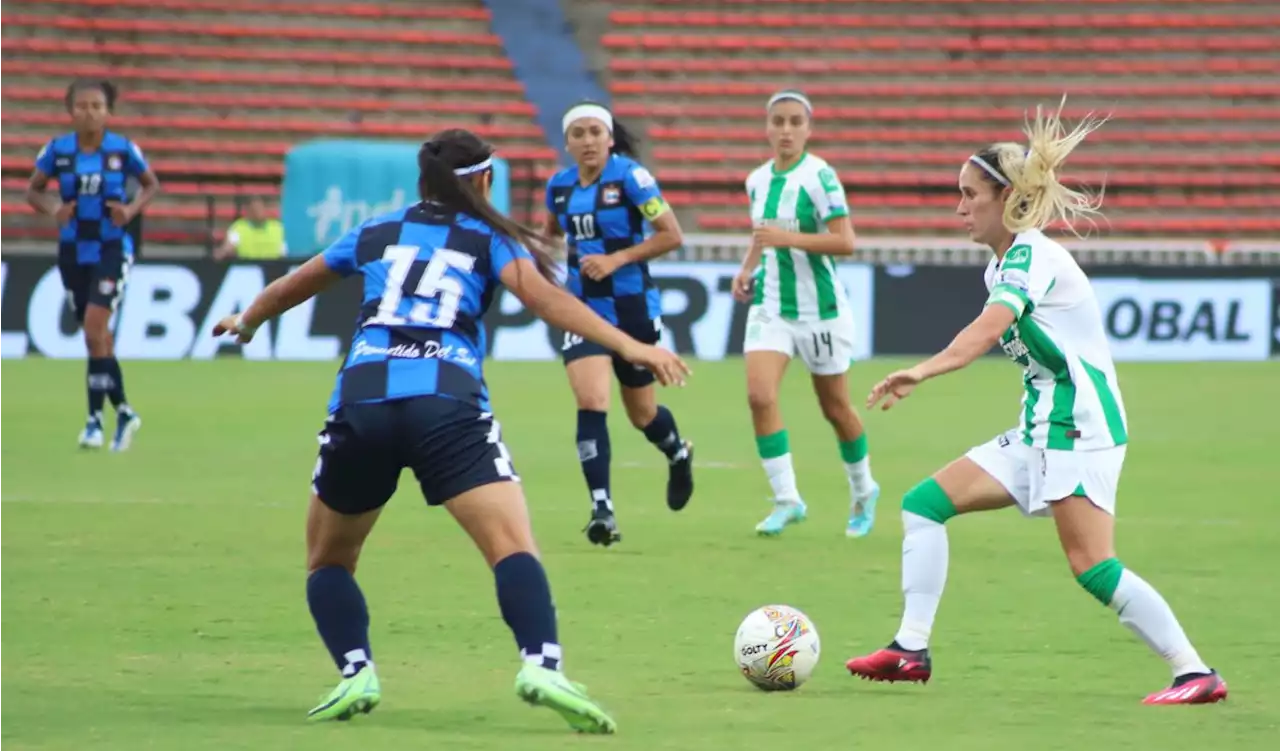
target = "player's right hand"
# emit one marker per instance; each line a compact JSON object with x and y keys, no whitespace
{"x":64,"y":213}
{"x":235,"y":325}
{"x":744,"y":284}
{"x":894,"y":388}
{"x":665,"y":365}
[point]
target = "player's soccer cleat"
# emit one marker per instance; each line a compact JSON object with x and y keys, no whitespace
{"x":543,"y":687}
{"x":862,"y":517}
{"x":1192,"y":688}
{"x":603,"y":528}
{"x":893,"y":664}
{"x":784,"y":513}
{"x":91,"y":436}
{"x":680,"y":478}
{"x":127,"y":423}
{"x":358,"y":694}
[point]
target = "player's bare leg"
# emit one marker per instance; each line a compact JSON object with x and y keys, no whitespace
{"x":959,"y":488}
{"x":833,"y":397}
{"x":765,"y":370}
{"x":1087,"y":534}
{"x":590,"y":379}
{"x":334,"y":541}
{"x":496,"y":518}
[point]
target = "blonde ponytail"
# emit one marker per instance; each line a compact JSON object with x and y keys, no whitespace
{"x":1037,"y":198}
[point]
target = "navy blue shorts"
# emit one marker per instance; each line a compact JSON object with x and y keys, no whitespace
{"x":630,"y":376}
{"x":451,"y":446}
{"x":100,"y":283}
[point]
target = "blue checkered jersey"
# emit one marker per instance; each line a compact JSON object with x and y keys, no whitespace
{"x":91,"y":179}
{"x":607,"y":216}
{"x":429,"y":276}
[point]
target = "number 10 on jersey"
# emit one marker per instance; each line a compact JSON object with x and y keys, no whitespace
{"x":434,"y":286}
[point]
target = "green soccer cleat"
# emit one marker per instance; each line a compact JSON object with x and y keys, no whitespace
{"x":358,"y":694}
{"x":540,"y":686}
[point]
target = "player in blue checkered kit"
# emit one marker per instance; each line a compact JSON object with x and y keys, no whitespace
{"x":90,"y":167}
{"x":411,"y":393}
{"x":601,"y":205}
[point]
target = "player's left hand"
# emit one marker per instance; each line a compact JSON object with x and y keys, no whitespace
{"x":894,"y":388}
{"x":121,"y":213}
{"x":235,"y":325}
{"x":599,"y":266}
{"x":771,"y":237}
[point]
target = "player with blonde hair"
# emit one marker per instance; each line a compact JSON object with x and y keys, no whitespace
{"x":799,"y":308}
{"x":1064,"y":458}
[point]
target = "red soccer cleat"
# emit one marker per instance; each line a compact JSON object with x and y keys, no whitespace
{"x":893,"y":664}
{"x":1194,"y":688}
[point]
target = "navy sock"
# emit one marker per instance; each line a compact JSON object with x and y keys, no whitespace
{"x":662,"y":432}
{"x":98,"y":383}
{"x":337,"y":605}
{"x":116,"y":392}
{"x":594,"y":453}
{"x":524,"y":596}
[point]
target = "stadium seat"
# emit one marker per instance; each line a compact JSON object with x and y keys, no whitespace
{"x":927,"y":21}
{"x":435,"y":11}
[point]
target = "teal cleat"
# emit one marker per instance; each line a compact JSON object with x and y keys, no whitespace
{"x":358,"y":694}
{"x":784,"y":513}
{"x":543,"y":687}
{"x":862,"y":517}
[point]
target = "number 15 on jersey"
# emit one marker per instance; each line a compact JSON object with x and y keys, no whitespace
{"x":436,"y":289}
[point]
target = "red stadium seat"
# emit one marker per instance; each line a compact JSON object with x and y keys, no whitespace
{"x":436,"y":10}
{"x":952,"y":44}
{"x":1004,"y":22}
{"x":907,"y":178}
{"x":241,"y":31}
{"x":240,"y":101}
{"x":261,"y":78}
{"x":332,"y":58}
{"x":952,"y":90}
{"x":931,"y":67}
{"x":887,"y":157}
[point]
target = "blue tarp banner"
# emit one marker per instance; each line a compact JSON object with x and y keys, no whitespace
{"x":332,"y":185}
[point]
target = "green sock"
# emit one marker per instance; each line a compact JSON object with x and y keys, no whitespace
{"x":773,"y":445}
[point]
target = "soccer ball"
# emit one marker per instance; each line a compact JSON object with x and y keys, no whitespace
{"x":776,"y":648}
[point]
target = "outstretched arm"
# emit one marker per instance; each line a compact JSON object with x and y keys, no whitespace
{"x":290,"y":290}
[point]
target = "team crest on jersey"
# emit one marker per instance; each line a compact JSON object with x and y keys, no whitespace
{"x":114,"y":162}
{"x":611,"y":195}
{"x":107,"y":286}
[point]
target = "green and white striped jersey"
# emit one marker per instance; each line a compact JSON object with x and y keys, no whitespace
{"x":1071,"y":399}
{"x":793,"y":284}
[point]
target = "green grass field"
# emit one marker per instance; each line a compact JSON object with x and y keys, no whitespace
{"x":156,"y":599}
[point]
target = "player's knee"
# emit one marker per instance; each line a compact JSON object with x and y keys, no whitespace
{"x":761,"y":399}
{"x":1083,"y":559}
{"x":928,"y":500}
{"x":325,"y":558}
{"x":837,"y":410}
{"x":97,"y":339}
{"x":641,"y":414}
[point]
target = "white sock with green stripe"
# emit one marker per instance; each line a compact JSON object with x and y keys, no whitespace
{"x":775,"y":455}
{"x":1144,"y":612}
{"x":925,"y":554}
{"x":857,"y":465}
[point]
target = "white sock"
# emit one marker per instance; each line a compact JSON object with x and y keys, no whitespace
{"x":924,"y":574}
{"x":782,"y":478}
{"x":1144,"y":612}
{"x":859,"y":474}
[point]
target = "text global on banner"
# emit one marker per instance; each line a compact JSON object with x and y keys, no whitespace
{"x":1148,"y":319}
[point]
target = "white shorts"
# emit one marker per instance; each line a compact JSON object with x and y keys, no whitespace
{"x":1036,"y":477}
{"x":826,"y":347}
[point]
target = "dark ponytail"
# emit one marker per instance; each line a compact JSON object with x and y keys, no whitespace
{"x":454,"y":149}
{"x":625,"y":142}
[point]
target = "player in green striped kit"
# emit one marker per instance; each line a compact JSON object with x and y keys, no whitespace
{"x":1064,"y":458}
{"x":800,"y":308}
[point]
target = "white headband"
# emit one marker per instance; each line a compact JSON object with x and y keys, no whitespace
{"x":795,"y":96}
{"x":587,"y":110}
{"x":987,"y":168}
{"x":480,"y":167}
